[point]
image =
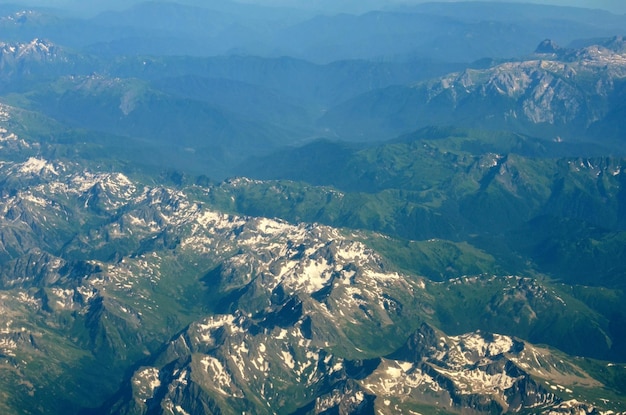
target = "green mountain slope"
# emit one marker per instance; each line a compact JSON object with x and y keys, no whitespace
{"x":173,"y":131}
{"x":467,"y":269}
{"x":501,"y":193}
{"x":182,"y":306}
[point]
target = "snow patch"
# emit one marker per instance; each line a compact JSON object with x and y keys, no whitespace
{"x":220,"y":376}
{"x":37,"y":166}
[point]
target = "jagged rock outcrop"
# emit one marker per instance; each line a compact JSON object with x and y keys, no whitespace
{"x":548,"y":46}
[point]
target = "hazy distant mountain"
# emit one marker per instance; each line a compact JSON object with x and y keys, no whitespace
{"x":561,"y":95}
{"x":449,"y":32}
{"x":221,"y":110}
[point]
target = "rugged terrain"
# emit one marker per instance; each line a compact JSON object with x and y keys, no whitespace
{"x":210,"y":312}
{"x":413,"y":212}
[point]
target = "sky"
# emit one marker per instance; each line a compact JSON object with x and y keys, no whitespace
{"x":615,"y":6}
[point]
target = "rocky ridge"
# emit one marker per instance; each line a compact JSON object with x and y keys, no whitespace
{"x":552,"y":88}
{"x":555,"y":93}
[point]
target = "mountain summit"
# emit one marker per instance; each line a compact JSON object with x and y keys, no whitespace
{"x":548,"y":46}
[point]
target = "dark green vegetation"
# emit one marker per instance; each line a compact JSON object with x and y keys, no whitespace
{"x":498,"y":192}
{"x":448,"y":204}
{"x":149,"y":285}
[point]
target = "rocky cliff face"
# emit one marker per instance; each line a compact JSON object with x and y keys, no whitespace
{"x":554,"y":87}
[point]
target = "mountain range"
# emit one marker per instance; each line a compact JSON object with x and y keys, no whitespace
{"x":225,"y":110}
{"x":557,"y":94}
{"x":230,"y":208}
{"x":106,"y":272}
{"x":227,"y":313}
